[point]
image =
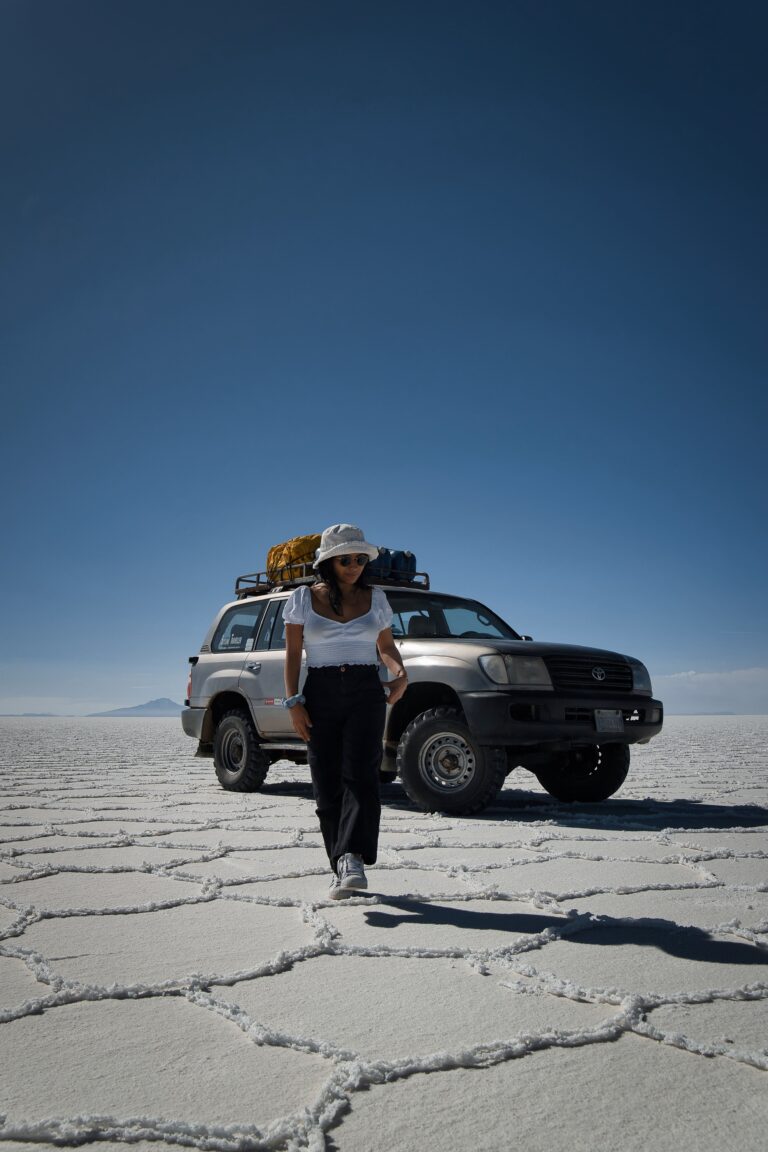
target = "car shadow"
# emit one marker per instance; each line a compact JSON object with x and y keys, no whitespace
{"x":646,"y":815}
{"x":639,"y":815}
{"x":520,"y":806}
{"x":686,"y":942}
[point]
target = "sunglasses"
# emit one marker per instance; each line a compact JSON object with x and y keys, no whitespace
{"x":345,"y":561}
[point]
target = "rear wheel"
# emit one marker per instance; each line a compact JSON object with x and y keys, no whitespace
{"x":240,"y":762}
{"x":443,"y":769}
{"x":591,"y":774}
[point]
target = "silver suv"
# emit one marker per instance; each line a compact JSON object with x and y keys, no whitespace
{"x":481,"y":701}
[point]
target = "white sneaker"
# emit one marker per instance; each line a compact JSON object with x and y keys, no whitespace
{"x":351,"y":872}
{"x":335,"y":892}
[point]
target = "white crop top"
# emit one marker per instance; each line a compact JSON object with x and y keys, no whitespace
{"x":329,"y":642}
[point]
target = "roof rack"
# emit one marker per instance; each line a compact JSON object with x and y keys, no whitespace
{"x":257,"y":583}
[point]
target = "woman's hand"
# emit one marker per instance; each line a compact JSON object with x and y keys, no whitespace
{"x":396,"y":688}
{"x":301,"y":721}
{"x":392,"y":661}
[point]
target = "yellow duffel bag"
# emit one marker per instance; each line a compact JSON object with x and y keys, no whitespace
{"x":286,"y":561}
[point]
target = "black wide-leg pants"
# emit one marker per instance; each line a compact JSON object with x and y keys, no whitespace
{"x":347,"y":706}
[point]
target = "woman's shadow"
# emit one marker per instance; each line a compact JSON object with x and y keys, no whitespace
{"x":681,"y":940}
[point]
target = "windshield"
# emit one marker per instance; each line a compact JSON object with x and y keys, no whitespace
{"x":422,"y":614}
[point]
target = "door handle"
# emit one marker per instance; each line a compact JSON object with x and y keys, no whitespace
{"x":253,"y":668}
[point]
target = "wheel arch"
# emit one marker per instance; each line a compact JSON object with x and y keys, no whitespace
{"x":418,"y":698}
{"x":221,"y":704}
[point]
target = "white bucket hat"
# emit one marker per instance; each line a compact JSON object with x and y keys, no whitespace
{"x":343,"y":540}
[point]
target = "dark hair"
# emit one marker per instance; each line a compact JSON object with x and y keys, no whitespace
{"x":328,"y":575}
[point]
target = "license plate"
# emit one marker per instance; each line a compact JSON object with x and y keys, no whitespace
{"x":609,"y":720}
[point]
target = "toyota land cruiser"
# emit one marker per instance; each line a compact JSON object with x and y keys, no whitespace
{"x":481,"y":701}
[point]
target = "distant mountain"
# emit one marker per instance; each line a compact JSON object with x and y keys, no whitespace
{"x":162,"y":707}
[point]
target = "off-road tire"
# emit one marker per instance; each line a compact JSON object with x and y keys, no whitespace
{"x":588,"y":774}
{"x":442,"y":767}
{"x":240,"y":762}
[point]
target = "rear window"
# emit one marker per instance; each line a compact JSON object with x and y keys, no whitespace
{"x":238,"y":628}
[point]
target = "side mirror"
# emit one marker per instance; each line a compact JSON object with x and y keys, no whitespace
{"x":526,"y":637}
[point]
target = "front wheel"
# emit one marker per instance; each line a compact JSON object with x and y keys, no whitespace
{"x":443,"y":769}
{"x":590,"y":774}
{"x":240,"y":762}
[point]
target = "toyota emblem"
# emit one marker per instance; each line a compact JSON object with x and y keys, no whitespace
{"x":598,"y":673}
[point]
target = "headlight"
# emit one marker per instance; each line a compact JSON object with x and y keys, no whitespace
{"x":641,"y":681}
{"x":522,"y":671}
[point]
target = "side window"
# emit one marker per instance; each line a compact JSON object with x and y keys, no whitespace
{"x":268,"y":625}
{"x":401,"y":622}
{"x":418,"y":622}
{"x":469,"y":621}
{"x":278,"y":632}
{"x":238,"y":628}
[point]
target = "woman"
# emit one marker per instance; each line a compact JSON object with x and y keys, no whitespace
{"x":344,"y":625}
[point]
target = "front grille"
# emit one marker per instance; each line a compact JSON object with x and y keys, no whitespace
{"x":574,"y":674}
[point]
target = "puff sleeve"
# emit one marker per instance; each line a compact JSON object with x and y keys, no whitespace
{"x":382,"y":610}
{"x":295,"y":611}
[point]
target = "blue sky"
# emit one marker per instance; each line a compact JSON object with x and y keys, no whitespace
{"x":487,"y":279}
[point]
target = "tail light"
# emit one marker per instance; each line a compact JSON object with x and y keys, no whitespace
{"x":192,"y":661}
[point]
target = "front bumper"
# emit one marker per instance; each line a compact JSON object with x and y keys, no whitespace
{"x":514,"y":719}
{"x":192,"y":721}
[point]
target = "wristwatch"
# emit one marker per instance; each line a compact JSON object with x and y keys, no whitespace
{"x":292,"y":701}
